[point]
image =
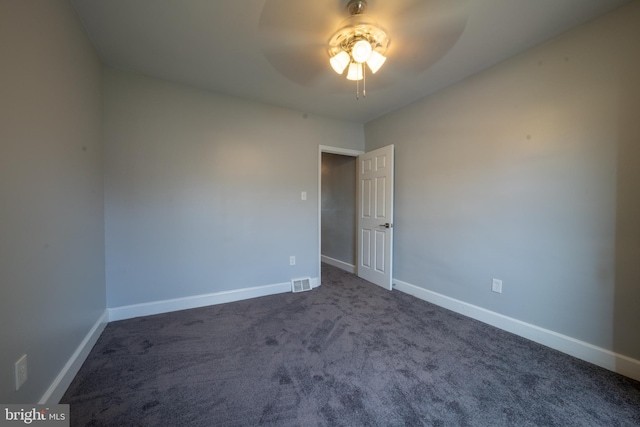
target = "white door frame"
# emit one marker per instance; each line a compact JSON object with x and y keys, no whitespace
{"x":331,"y":150}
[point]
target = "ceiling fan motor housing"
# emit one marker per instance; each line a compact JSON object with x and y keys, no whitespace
{"x":356,"y":28}
{"x":356,"y":7}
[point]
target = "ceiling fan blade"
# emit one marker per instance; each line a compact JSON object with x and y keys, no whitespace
{"x":302,"y":17}
{"x":305,"y":65}
{"x":294,"y":37}
{"x":411,"y":14}
{"x":421,"y":31}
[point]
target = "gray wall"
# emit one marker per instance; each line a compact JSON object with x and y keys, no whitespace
{"x":528,"y":172}
{"x":203,"y":191}
{"x":338,"y":198}
{"x":51,"y":192}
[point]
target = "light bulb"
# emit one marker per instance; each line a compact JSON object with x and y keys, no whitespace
{"x":361,"y":51}
{"x":340,"y":61}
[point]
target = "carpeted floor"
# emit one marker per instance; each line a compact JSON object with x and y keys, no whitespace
{"x":345,"y":354}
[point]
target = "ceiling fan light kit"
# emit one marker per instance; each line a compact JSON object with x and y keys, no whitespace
{"x":359,"y":41}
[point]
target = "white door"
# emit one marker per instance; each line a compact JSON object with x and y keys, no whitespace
{"x":375,"y":216}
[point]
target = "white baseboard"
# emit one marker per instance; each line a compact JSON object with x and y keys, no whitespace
{"x":350,"y":268}
{"x":57,"y":389}
{"x":315,"y":282}
{"x":166,"y":306}
{"x":582,"y":350}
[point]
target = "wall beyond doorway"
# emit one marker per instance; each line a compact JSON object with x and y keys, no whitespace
{"x":338,"y":209}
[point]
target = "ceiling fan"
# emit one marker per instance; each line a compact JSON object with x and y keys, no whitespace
{"x":360,"y":43}
{"x":304,"y":40}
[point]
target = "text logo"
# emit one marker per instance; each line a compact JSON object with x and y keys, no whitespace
{"x":34,"y":415}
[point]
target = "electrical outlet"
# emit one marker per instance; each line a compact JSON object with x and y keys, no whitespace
{"x":496,"y":286}
{"x":21,"y":371}
{"x":292,"y":260}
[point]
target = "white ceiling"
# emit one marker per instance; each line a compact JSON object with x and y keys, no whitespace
{"x":230,"y":46}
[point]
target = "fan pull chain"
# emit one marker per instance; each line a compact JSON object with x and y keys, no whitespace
{"x":364,"y":84}
{"x":364,"y":81}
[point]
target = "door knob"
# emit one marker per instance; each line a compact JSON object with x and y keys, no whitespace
{"x":386,"y":225}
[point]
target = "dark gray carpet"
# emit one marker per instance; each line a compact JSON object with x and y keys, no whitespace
{"x":345,"y":354}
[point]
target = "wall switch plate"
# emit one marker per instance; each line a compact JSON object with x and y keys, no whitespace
{"x":21,"y":371}
{"x":496,"y":286}
{"x":292,"y":260}
{"x":303,"y":195}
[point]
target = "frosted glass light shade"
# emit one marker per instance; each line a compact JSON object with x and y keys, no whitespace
{"x":361,"y":51}
{"x":355,"y":71}
{"x":375,"y":61}
{"x":340,"y":61}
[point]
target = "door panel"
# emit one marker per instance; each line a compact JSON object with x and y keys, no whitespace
{"x":366,"y":204}
{"x":380,"y":252}
{"x":366,"y":248}
{"x":381,"y":198}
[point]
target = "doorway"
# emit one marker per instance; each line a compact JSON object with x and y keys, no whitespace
{"x":337,"y":219}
